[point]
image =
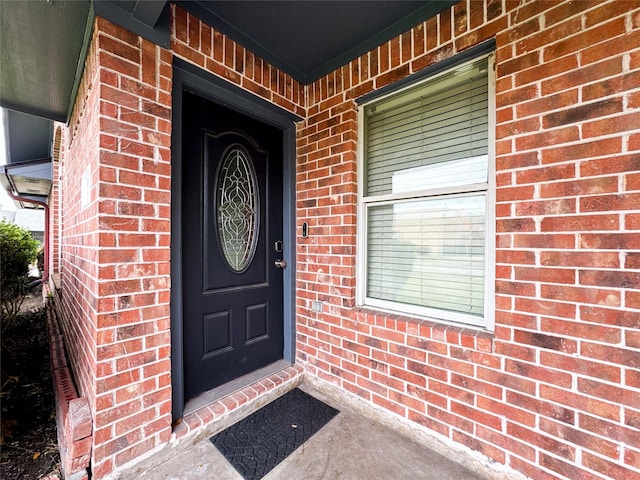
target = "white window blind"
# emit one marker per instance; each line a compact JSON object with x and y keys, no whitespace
{"x":443,"y":120}
{"x":426,"y":166}
{"x":428,"y":253}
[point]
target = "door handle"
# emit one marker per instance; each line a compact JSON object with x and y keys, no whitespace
{"x":281,"y":263}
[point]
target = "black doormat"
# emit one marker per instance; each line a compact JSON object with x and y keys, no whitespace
{"x":256,"y":444}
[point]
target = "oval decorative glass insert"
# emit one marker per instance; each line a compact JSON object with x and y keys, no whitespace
{"x":237,"y":208}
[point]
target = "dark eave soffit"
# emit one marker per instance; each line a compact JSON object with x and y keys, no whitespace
{"x":44,"y":45}
{"x":44,"y":42}
{"x":42,"y":54}
{"x":309,"y":39}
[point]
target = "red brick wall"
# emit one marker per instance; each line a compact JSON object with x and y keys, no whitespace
{"x":552,"y":393}
{"x":198,"y":43}
{"x":133,"y":393}
{"x":78,"y":226}
{"x":555,"y":391}
{"x":54,"y":202}
{"x":115,"y":256}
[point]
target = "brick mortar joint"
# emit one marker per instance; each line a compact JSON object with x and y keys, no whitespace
{"x":483,"y":340}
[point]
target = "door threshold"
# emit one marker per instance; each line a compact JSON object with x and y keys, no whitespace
{"x":233,"y":386}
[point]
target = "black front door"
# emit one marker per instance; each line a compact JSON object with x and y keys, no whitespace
{"x":232,"y":244}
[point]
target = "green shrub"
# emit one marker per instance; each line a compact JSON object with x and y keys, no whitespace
{"x":17,"y":250}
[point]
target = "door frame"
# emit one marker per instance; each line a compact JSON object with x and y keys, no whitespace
{"x":192,"y":78}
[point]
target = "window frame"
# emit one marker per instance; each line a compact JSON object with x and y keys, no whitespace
{"x":487,"y":321}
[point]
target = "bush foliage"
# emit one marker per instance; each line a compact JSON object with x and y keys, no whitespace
{"x":17,"y":250}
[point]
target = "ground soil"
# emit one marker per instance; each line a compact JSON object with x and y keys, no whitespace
{"x":28,"y":438}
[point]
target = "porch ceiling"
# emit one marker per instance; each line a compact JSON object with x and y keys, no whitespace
{"x":43,"y":43}
{"x":308,"y":39}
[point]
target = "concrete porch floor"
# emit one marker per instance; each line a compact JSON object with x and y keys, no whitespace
{"x":349,"y":447}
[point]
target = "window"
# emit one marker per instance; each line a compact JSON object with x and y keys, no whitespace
{"x":426,"y":231}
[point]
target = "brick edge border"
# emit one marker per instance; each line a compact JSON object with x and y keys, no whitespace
{"x":73,"y":415}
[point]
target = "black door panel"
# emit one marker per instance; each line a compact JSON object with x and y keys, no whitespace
{"x":232,"y":219}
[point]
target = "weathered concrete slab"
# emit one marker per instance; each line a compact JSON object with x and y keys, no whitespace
{"x":349,"y":447}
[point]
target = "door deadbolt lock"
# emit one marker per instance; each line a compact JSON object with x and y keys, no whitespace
{"x":281,"y":263}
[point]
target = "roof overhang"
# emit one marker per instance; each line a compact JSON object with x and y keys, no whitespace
{"x":28,"y":144}
{"x":29,"y":183}
{"x":44,"y":42}
{"x":44,"y":45}
{"x":42,"y":53}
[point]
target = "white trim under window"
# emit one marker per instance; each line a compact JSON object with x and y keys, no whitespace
{"x":426,"y":218}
